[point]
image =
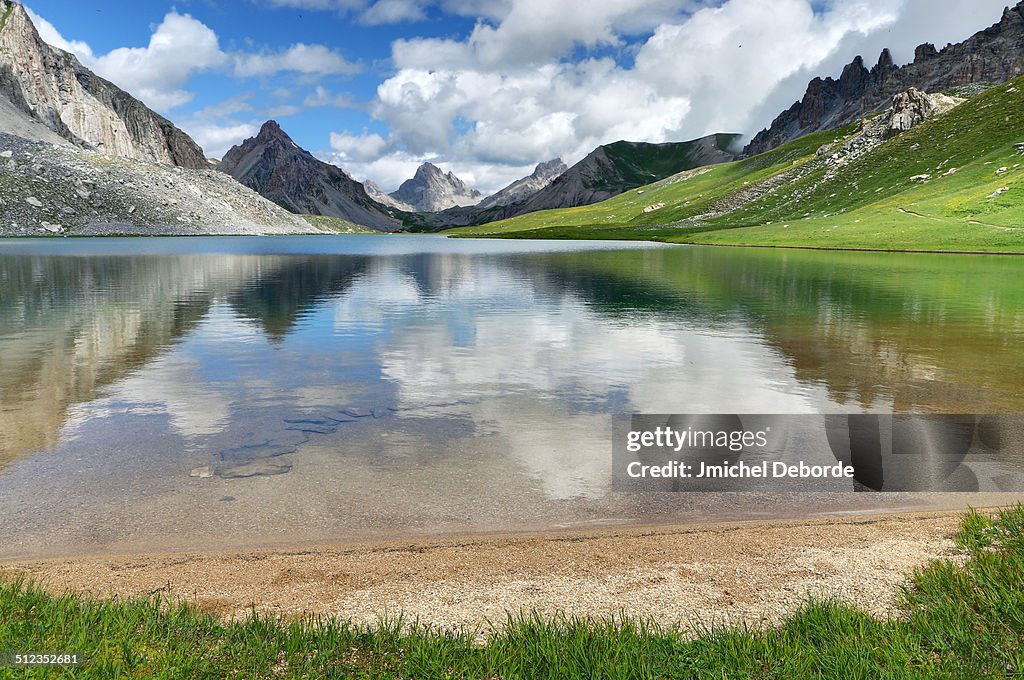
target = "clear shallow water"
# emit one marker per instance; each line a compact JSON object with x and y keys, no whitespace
{"x":368,"y":387}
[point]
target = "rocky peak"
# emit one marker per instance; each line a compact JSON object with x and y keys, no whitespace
{"x":272,"y":130}
{"x":549,"y":169}
{"x":522,"y":189}
{"x":885,"y":61}
{"x":273,"y":165}
{"x":924,"y":52}
{"x":433,"y":190}
{"x":51,"y":87}
{"x":1012,"y":16}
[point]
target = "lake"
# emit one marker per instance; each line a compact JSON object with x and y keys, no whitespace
{"x":171,"y":394}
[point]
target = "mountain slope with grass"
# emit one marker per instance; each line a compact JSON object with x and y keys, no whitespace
{"x":607,"y":171}
{"x":993,"y":55}
{"x":953,"y":182}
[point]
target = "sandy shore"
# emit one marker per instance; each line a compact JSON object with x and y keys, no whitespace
{"x":751,"y":572}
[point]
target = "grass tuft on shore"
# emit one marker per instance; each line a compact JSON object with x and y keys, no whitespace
{"x":959,"y":618}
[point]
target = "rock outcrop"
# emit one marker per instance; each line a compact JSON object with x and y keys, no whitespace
{"x":988,"y":57}
{"x":912,"y":107}
{"x":279,"y":169}
{"x":433,"y":190}
{"x":50,"y":87}
{"x":522,"y":189}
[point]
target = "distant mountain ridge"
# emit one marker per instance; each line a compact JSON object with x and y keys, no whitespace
{"x":279,"y":169}
{"x":611,"y":169}
{"x":521,"y":189}
{"x":374,"y":191}
{"x":993,"y":55}
{"x":433,"y":190}
{"x":607,"y":171}
{"x":48,"y":87}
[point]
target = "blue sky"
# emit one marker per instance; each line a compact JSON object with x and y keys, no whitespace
{"x":486,"y":88}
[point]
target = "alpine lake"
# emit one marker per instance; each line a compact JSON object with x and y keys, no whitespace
{"x":200,"y":393}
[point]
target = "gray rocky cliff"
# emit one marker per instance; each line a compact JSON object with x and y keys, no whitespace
{"x":50,"y":87}
{"x":60,"y":189}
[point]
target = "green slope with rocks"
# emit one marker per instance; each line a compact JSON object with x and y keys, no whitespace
{"x":952,"y":182}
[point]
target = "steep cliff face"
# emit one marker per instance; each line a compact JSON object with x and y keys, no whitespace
{"x":277,"y":168}
{"x":990,"y":56}
{"x":50,"y":86}
{"x":432,"y":190}
{"x":522,"y":189}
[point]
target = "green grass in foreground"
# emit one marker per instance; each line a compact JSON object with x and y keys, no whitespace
{"x":960,"y":618}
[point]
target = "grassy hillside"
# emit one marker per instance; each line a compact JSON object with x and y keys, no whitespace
{"x":638,"y":164}
{"x":952,"y":183}
{"x":960,"y":618}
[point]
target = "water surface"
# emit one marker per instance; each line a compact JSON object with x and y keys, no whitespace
{"x":367,"y":387}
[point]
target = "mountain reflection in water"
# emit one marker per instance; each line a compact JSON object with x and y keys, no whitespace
{"x":445,"y":368}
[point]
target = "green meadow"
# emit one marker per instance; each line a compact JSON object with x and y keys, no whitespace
{"x":954,"y":183}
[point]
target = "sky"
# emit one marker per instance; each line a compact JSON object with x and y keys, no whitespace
{"x":484,"y":88}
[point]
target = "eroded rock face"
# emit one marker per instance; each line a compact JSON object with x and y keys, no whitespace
{"x":50,"y":86}
{"x":994,"y":55}
{"x":908,"y":109}
{"x":912,"y":107}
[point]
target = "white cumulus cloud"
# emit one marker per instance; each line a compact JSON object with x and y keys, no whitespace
{"x":537,"y":79}
{"x":299,"y":58}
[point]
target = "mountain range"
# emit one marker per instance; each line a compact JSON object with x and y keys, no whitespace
{"x":607,"y":171}
{"x":60,"y":123}
{"x":932,"y":172}
{"x":79,"y":155}
{"x":991,"y":56}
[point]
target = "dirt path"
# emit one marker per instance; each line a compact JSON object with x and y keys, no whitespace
{"x":750,"y":572}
